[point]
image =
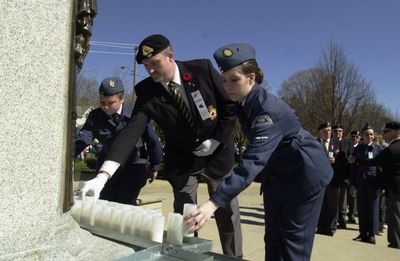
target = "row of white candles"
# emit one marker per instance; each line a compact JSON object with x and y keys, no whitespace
{"x":132,"y":220}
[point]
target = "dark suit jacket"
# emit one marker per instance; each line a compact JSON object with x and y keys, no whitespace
{"x":154,"y":102}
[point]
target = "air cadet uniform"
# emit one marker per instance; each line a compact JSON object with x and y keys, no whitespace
{"x":294,"y":167}
{"x":365,"y":179}
{"x":389,"y":160}
{"x":212,"y":118}
{"x":101,"y":128}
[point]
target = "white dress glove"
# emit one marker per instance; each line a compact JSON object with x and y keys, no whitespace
{"x":206,"y":148}
{"x":95,"y":185}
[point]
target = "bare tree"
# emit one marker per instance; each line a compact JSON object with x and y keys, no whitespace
{"x":333,"y":91}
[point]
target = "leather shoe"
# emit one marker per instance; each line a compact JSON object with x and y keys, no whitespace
{"x":370,"y":240}
{"x":360,"y":237}
{"x":342,"y":226}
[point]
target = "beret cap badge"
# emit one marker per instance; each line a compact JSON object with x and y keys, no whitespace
{"x":147,"y":51}
{"x":227,"y":52}
{"x":112,"y":83}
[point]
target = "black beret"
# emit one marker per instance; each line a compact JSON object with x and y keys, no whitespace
{"x":324,"y":125}
{"x":111,"y":86}
{"x":232,"y":55}
{"x":393,"y":125}
{"x":367,"y":127}
{"x":354,"y":132}
{"x":151,"y":46}
{"x":337,"y":126}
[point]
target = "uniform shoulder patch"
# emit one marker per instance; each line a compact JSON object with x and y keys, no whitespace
{"x":262,"y":120}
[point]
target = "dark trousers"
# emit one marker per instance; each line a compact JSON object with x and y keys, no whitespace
{"x":352,"y":203}
{"x":290,"y":229}
{"x":393,"y":219}
{"x":382,"y":211}
{"x":126,"y":184}
{"x":368,"y":206}
{"x":228,"y":219}
{"x":328,"y":217}
{"x":343,"y":203}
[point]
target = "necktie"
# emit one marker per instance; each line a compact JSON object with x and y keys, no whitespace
{"x":326,"y":145}
{"x":115,"y":117}
{"x":180,"y":104}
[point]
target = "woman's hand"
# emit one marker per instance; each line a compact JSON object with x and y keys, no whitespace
{"x":198,"y":218}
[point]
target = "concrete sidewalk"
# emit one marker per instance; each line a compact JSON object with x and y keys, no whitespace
{"x":340,"y":247}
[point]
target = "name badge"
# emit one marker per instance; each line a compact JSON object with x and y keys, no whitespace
{"x":200,"y":105}
{"x":370,"y":155}
{"x":330,"y":154}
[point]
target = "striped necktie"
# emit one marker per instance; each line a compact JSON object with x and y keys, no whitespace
{"x":180,"y":104}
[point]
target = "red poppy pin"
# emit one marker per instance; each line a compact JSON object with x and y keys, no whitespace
{"x":187,"y":76}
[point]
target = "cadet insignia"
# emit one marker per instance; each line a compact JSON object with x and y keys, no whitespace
{"x":147,"y":51}
{"x":262,"y":120}
{"x":112,"y":83}
{"x":213,"y":112}
{"x":227,"y":52}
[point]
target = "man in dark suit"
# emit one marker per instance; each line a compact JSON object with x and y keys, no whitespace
{"x":188,"y":102}
{"x":328,"y":219}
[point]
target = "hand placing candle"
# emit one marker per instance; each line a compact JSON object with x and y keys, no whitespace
{"x":199,"y":217}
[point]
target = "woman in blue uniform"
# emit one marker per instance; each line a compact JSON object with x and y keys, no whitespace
{"x":294,"y":167}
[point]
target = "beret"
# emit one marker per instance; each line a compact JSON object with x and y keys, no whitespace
{"x":151,"y":46}
{"x":232,"y":55}
{"x":367,"y":127}
{"x":111,"y":86}
{"x":393,"y":125}
{"x":324,"y":125}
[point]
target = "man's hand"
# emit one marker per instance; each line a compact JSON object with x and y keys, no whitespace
{"x":206,"y":148}
{"x":152,"y":175}
{"x":95,"y":185}
{"x":198,"y":218}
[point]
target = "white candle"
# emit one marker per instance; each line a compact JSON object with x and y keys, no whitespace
{"x":85,"y":210}
{"x":157,"y":228}
{"x":174,"y":233}
{"x":187,"y":209}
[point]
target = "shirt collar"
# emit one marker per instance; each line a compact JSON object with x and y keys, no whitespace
{"x":176,"y":79}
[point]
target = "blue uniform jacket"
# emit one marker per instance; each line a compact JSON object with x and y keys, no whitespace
{"x":361,"y":171}
{"x":293,"y":164}
{"x":102,"y":127}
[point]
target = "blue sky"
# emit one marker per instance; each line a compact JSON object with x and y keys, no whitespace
{"x":289,"y":35}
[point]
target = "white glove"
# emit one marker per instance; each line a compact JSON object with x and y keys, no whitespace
{"x":206,"y":148}
{"x":95,"y":185}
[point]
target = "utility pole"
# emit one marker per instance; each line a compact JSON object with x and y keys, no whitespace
{"x":135,"y":67}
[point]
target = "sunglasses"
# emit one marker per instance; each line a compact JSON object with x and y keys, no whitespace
{"x":355,"y":136}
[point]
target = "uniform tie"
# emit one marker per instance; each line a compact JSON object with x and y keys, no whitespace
{"x":180,"y":104}
{"x":115,"y":117}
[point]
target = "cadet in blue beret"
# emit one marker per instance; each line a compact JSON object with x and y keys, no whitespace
{"x":366,"y":181}
{"x":188,"y":101}
{"x":294,"y":167}
{"x":100,"y":129}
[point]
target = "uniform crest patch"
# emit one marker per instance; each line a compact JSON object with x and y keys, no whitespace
{"x":263,"y":120}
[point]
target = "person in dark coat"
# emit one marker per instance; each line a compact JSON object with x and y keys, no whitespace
{"x":100,"y":129}
{"x":365,"y":179}
{"x":295,"y":170}
{"x":188,"y":102}
{"x":389,"y":160}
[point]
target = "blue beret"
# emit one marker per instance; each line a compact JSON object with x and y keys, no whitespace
{"x":111,"y":86}
{"x":393,"y":125}
{"x":337,"y":126}
{"x":231,"y":55}
{"x":151,"y":46}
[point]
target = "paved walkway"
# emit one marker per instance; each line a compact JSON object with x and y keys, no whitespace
{"x":337,"y":248}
